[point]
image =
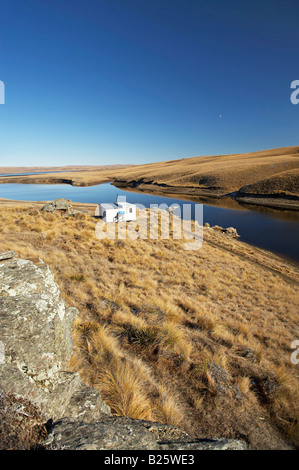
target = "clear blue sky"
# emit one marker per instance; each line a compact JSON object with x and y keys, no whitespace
{"x":134,"y":81}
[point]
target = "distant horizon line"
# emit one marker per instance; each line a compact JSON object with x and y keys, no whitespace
{"x":147,"y":163}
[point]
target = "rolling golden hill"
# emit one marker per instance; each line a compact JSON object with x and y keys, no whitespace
{"x":268,"y":177}
{"x":219,"y":174}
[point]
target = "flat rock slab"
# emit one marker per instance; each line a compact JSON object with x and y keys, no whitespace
{"x":118,"y":433}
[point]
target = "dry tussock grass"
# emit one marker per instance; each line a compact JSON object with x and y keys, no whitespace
{"x":196,"y":338}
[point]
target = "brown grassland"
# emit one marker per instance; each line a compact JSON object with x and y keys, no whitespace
{"x":219,"y":174}
{"x":268,"y":172}
{"x":33,"y":169}
{"x":200,"y":339}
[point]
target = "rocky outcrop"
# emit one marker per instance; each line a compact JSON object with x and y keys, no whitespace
{"x":118,"y":433}
{"x":58,"y":204}
{"x":36,"y":345}
{"x":62,"y":205}
{"x":36,"y":340}
{"x":231,"y":231}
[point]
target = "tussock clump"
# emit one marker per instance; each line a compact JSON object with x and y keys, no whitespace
{"x":22,"y":426}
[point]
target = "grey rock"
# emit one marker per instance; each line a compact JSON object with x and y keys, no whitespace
{"x":118,"y":433}
{"x":58,"y":205}
{"x":62,"y":204}
{"x":49,"y":207}
{"x":86,"y":404}
{"x":115,"y":434}
{"x":7,"y":255}
{"x":36,"y":334}
{"x":206,"y":444}
{"x":231,"y":231}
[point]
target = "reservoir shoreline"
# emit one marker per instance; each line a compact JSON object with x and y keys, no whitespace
{"x":212,"y":196}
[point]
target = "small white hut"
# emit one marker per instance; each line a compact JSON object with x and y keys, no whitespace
{"x":116,"y":212}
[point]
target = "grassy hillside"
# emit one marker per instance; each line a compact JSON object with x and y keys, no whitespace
{"x":201,"y":339}
{"x":209,"y":176}
{"x":282,"y":184}
{"x":220,"y":174}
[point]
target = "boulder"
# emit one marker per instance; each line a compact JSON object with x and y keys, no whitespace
{"x":36,"y":339}
{"x":231,"y":231}
{"x":58,"y":205}
{"x":118,"y":433}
